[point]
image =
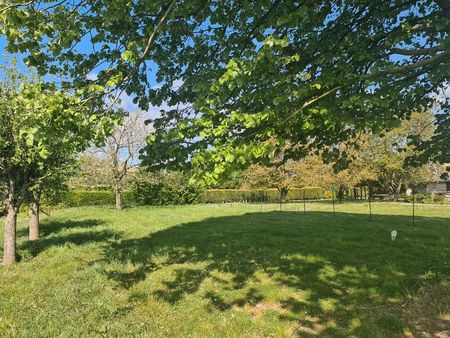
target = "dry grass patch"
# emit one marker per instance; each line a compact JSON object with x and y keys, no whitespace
{"x":259,"y":309}
{"x":428,"y":313}
{"x":308,"y":326}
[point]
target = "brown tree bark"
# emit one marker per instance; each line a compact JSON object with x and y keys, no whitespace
{"x":9,"y":238}
{"x":118,"y":193}
{"x":33,"y":220}
{"x":283,"y":193}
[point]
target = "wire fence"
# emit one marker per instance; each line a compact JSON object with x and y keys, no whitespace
{"x":374,"y":210}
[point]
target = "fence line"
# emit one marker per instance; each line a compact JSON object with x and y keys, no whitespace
{"x":336,"y":208}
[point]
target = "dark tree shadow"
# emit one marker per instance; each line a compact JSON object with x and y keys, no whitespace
{"x":336,"y":259}
{"x":80,"y":233}
{"x":49,"y":227}
{"x":34,"y":248}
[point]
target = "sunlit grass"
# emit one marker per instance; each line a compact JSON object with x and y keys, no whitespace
{"x":232,"y":270}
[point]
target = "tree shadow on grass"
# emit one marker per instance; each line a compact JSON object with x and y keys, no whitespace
{"x":49,"y":227}
{"x":53,"y":234}
{"x":334,"y":266}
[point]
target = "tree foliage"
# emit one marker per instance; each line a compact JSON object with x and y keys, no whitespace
{"x":41,"y":130}
{"x":312,"y":73}
{"x":388,"y":155}
{"x":164,"y":188}
{"x":282,"y":177}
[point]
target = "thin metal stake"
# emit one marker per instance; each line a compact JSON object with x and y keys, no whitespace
{"x":370,"y":209}
{"x":334,"y":209}
{"x":414,"y":200}
{"x":304,"y":203}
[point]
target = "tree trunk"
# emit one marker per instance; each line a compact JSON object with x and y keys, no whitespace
{"x":118,"y":193}
{"x":33,"y":219}
{"x":283,"y":193}
{"x":341,"y":193}
{"x":398,"y":189}
{"x":9,"y":238}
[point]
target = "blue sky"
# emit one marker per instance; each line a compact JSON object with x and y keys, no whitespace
{"x":127,"y":101}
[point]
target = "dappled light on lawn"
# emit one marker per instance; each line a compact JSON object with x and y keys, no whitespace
{"x":207,"y":270}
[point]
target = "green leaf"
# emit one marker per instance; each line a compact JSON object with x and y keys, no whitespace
{"x":230,"y":158}
{"x":43,"y":153}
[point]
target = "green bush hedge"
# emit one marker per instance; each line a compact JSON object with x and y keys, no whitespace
{"x":161,"y":193}
{"x":255,"y":195}
{"x":79,"y":198}
{"x":164,"y":194}
{"x":171,"y":188}
{"x":424,"y":198}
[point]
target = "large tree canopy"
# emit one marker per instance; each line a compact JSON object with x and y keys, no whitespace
{"x":313,"y":73}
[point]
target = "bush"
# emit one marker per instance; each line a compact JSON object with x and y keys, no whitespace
{"x":86,"y":197}
{"x":168,"y":189}
{"x":329,"y":194}
{"x":256,"y":195}
{"x":425,"y":198}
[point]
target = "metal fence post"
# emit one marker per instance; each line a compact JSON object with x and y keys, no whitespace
{"x":304,"y":202}
{"x":334,"y":208}
{"x":261,"y":199}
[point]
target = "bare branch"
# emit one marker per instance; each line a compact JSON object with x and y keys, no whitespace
{"x":414,"y":52}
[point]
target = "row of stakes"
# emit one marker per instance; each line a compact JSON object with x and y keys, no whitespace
{"x":334,"y":207}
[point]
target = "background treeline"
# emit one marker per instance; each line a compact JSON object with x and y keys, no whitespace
{"x":112,"y":174}
{"x":379,"y":166}
{"x":166,"y":193}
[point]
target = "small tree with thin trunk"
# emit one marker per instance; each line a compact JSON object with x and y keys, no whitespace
{"x":40,"y":128}
{"x":47,"y":187}
{"x":121,"y":152}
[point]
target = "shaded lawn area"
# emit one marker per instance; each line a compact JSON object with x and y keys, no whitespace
{"x":239,"y":270}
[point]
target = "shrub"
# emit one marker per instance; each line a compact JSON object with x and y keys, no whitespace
{"x":86,"y":197}
{"x":167,"y":189}
{"x":258,"y":195}
{"x":425,"y":198}
{"x":329,"y":194}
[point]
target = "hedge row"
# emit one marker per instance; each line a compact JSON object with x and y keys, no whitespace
{"x":255,"y":195}
{"x":78,"y":198}
{"x":164,"y":193}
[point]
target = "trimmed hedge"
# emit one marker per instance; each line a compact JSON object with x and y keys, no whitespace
{"x":80,"y":198}
{"x":255,"y":195}
{"x":161,"y":193}
{"x":170,"y":188}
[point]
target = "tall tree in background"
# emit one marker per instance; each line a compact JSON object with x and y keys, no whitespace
{"x":388,"y":155}
{"x":121,"y":151}
{"x":282,"y":177}
{"x":311,"y":73}
{"x":317,"y":173}
{"x":91,"y":172}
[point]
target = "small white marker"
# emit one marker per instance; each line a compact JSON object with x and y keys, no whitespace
{"x":393,"y":234}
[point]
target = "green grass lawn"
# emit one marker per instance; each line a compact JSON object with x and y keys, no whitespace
{"x":232,"y":270}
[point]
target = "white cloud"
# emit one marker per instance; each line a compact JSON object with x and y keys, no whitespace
{"x":126,"y":102}
{"x":92,"y":76}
